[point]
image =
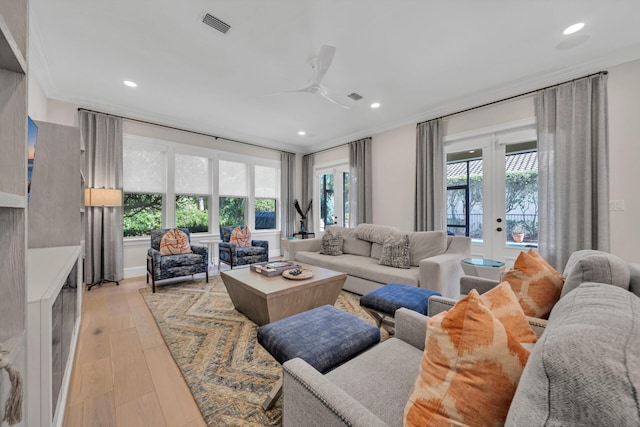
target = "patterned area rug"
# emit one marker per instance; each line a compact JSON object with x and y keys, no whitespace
{"x":216,"y":349}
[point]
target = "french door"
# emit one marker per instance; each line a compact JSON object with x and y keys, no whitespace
{"x":332,"y":192}
{"x":492,"y":191}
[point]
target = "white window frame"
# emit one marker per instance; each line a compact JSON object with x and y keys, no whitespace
{"x":214,"y":156}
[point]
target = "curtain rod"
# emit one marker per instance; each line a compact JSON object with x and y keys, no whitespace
{"x":512,"y":97}
{"x":338,"y":146}
{"x":184,"y":130}
{"x":335,"y":147}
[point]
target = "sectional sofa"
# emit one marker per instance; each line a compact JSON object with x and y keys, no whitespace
{"x":584,"y":370}
{"x":434,"y":258}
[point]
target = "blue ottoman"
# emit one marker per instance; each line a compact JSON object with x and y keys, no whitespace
{"x":324,"y":337}
{"x":384,"y":301}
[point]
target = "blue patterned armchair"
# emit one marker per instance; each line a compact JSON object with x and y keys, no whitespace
{"x":160,"y":267}
{"x":236,"y":255}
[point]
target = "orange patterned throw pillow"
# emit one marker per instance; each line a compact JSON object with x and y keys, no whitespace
{"x":241,"y":236}
{"x":470,"y":369}
{"x":504,"y":305}
{"x":536,"y":284}
{"x":175,"y":242}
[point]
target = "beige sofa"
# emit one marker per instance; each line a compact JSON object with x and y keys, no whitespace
{"x":434,"y":258}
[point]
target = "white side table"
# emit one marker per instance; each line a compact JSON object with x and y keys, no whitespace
{"x":213,"y":245}
{"x":482,"y":267}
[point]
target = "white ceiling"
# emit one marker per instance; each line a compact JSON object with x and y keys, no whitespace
{"x":420,"y":59}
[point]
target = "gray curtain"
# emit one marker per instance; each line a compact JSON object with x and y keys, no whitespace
{"x":102,"y":135}
{"x":307,"y":188}
{"x":573,"y":165}
{"x":288,"y":193}
{"x":360,"y":210}
{"x":430,"y":182}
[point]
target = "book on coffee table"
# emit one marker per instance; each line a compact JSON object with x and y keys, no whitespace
{"x":273,"y":268}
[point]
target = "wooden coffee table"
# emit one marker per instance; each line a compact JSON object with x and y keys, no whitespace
{"x":267,"y":299}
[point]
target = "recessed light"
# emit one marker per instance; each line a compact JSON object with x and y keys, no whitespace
{"x":375,"y":105}
{"x":130,"y":83}
{"x":573,"y":28}
{"x":302,"y":133}
{"x":472,"y":151}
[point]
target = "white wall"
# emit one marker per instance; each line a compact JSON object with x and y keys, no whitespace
{"x":393,"y":161}
{"x":624,"y":158}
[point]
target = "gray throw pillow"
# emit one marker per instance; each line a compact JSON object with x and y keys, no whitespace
{"x":596,"y":266}
{"x":395,"y":251}
{"x":331,"y":243}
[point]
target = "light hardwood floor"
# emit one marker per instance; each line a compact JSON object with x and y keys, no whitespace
{"x":123,"y":373}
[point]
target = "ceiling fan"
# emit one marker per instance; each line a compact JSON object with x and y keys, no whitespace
{"x":320,"y":65}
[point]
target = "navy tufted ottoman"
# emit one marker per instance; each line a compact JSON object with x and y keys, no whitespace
{"x":384,"y":301}
{"x":324,"y":337}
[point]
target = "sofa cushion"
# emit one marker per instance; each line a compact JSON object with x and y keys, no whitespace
{"x":585,"y":369}
{"x":331,"y":243}
{"x":362,"y":267}
{"x":395,"y":251}
{"x":351,"y":244}
{"x":425,"y":244}
{"x":381,"y":379}
{"x":595,"y":266}
{"x":470,"y":368}
{"x":374,"y":233}
{"x":376,"y":250}
{"x":536,"y":284}
{"x":175,"y":242}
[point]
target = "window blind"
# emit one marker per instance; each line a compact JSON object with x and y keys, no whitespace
{"x":192,"y":175}
{"x":233,"y":178}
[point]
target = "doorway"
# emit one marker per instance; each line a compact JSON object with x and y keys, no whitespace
{"x":492,"y":191}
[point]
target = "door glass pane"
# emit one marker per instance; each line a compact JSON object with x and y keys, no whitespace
{"x":521,"y":194}
{"x":456,"y":211}
{"x":327,"y":201}
{"x":464,"y":194}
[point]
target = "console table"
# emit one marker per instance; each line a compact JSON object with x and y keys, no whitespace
{"x":304,"y":235}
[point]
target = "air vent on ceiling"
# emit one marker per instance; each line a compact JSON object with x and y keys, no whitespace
{"x":214,"y":22}
{"x":355,"y":96}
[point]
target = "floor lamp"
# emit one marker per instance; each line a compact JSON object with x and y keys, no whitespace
{"x":102,"y":197}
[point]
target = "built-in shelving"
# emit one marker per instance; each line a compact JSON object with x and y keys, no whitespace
{"x":10,"y":56}
{"x":13,"y":190}
{"x":8,"y":200}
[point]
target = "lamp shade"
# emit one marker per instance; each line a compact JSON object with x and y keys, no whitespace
{"x":102,"y":197}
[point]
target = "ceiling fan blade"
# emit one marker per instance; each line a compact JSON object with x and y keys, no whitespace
{"x":324,"y":94}
{"x":305,"y":90}
{"x":323,"y":62}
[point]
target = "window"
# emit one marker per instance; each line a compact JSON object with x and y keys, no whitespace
{"x":174,"y":185}
{"x":233,"y":192}
{"x":266,"y":194}
{"x":144,"y":171}
{"x":333,"y":191}
{"x":192,"y":212}
{"x":192,"y":188}
{"x":142,"y":213}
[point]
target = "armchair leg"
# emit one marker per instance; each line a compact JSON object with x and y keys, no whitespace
{"x":207,"y":275}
